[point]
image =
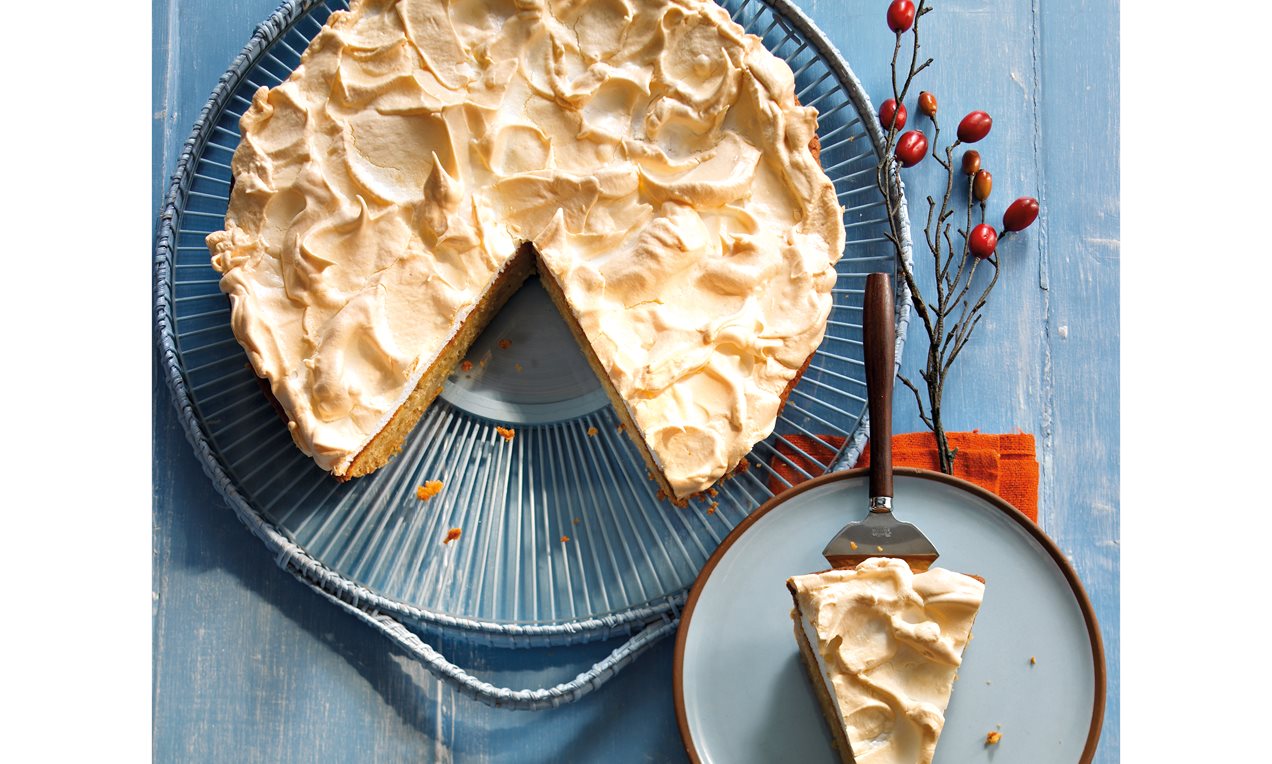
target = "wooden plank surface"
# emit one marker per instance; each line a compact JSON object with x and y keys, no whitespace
{"x":252,"y":667}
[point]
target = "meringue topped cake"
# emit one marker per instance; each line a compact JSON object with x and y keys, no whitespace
{"x":647,"y":158}
{"x":882,"y":645}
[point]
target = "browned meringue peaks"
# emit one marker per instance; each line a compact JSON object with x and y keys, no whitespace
{"x":652,"y":152}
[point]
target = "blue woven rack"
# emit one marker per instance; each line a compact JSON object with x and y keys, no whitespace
{"x":373,"y":550}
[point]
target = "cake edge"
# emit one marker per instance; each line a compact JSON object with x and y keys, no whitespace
{"x":830,"y":713}
{"x":386,"y":443}
{"x":633,"y":431}
{"x":624,"y":414}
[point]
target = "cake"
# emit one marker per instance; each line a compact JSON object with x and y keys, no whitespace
{"x":646,"y":158}
{"x":882,"y":645}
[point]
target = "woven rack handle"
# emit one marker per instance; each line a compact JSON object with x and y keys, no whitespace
{"x":504,"y":697}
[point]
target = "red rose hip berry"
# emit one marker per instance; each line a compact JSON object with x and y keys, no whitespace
{"x":983,"y":241}
{"x":911,"y":148}
{"x":1021,"y":214}
{"x":900,"y":15}
{"x":974,"y":127}
{"x":888,"y":110}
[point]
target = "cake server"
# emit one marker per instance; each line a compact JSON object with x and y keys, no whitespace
{"x":881,"y":534}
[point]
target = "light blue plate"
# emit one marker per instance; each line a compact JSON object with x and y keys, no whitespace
{"x":741,"y":691}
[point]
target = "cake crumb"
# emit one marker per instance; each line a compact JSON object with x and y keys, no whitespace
{"x":591,"y":432}
{"x":467,"y":365}
{"x":712,"y":492}
{"x":662,"y":495}
{"x":711,"y":510}
{"x":507,"y":433}
{"x":853,"y":544}
{"x":992,"y":738}
{"x":427,"y":491}
{"x":517,"y":367}
{"x":621,"y":427}
{"x":878,"y":548}
{"x":564,"y":539}
{"x":505,"y":344}
{"x":452,"y":535}
{"x":1033,"y":660}
{"x":680,"y":503}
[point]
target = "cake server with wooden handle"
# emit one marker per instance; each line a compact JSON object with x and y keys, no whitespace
{"x":880,"y":534}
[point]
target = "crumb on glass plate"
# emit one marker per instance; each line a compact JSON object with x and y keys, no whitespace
{"x":452,"y":535}
{"x":427,"y":491}
{"x":992,"y":738}
{"x":506,"y":433}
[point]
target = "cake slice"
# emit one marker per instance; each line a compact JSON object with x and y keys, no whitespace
{"x":882,"y":646}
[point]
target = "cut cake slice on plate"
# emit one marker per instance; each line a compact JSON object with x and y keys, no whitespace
{"x":882,"y":646}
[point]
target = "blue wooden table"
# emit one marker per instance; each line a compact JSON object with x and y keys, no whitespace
{"x":252,"y":667}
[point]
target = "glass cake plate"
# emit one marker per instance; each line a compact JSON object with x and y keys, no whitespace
{"x":512,"y":578}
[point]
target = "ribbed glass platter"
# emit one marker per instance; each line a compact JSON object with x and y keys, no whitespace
{"x":564,"y":537}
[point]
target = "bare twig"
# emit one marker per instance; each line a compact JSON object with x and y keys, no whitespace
{"x":918,"y":399}
{"x":953,"y":267}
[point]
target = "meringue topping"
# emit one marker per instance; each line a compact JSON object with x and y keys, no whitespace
{"x":652,"y":152}
{"x":888,"y":644}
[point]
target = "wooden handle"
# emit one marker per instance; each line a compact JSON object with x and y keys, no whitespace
{"x":880,"y":345}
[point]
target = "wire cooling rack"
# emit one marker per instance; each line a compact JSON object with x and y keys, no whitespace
{"x":563,"y":536}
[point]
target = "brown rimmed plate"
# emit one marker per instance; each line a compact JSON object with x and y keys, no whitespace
{"x":741,"y":692}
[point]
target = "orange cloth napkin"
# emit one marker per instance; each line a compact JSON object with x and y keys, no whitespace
{"x":1004,"y":464}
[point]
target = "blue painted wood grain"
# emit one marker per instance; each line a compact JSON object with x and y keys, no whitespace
{"x":252,"y":667}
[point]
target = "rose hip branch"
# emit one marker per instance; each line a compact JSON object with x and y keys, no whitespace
{"x":949,"y":320}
